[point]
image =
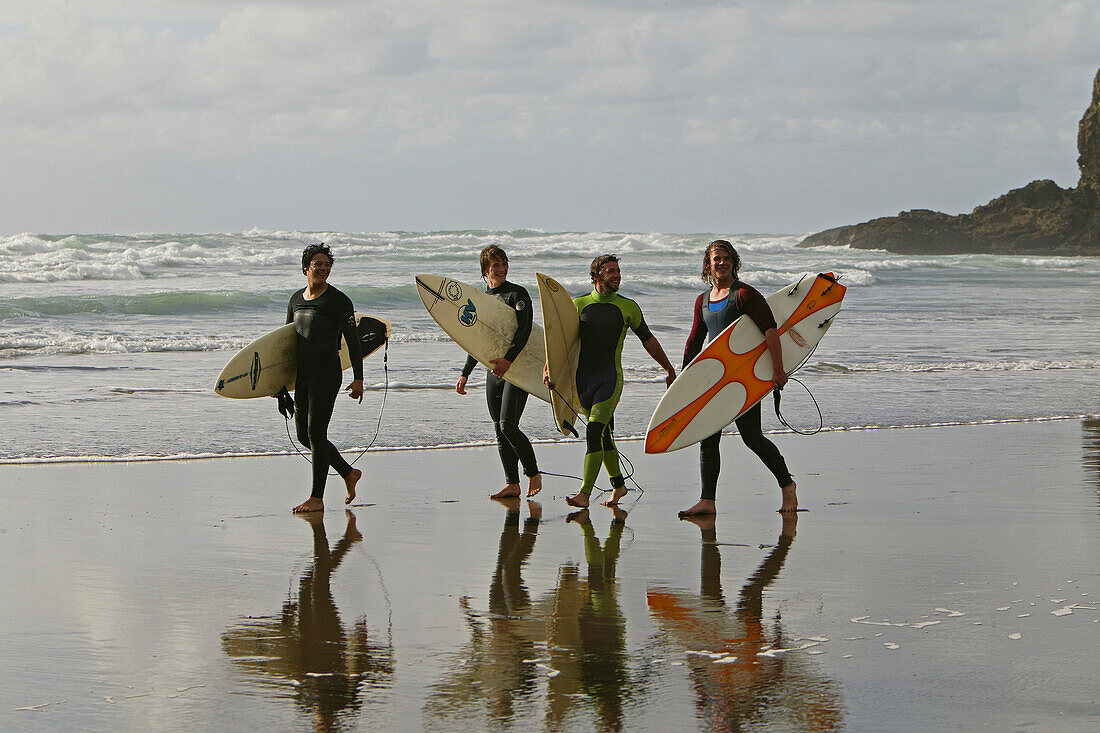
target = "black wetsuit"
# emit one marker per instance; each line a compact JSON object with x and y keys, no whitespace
{"x":319,"y":324}
{"x":506,"y":401}
{"x":710,"y":319}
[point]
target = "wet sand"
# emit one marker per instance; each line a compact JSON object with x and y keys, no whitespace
{"x":940,"y":578}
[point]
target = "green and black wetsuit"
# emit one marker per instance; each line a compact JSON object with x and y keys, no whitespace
{"x":604,"y":323}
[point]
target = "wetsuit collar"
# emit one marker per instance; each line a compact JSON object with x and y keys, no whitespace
{"x":601,"y":298}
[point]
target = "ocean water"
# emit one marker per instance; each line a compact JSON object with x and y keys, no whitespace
{"x":110,"y":344}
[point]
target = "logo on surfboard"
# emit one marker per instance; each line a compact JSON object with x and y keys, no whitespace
{"x":797,"y":338}
{"x":454,"y":291}
{"x":254,"y":373}
{"x":467,"y":314}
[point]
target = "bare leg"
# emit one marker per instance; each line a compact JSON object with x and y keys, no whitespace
{"x":510,"y":491}
{"x":350,"y":481}
{"x":704,"y":508}
{"x":534,"y":484}
{"x":312,"y":504}
{"x":579,"y":500}
{"x":616,"y":494}
{"x":790,"y":499}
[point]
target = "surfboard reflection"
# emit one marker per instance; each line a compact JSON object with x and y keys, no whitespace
{"x":753,"y":681}
{"x":307,"y":645}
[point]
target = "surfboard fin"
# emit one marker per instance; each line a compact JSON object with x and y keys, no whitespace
{"x":567,"y":427}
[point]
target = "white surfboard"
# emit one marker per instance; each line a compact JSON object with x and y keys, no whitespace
{"x":484,"y":326}
{"x":734,"y":371}
{"x":561,"y":329}
{"x":270,"y":363}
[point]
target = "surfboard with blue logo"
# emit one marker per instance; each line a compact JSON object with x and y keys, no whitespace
{"x":270,"y":363}
{"x":484,"y":326}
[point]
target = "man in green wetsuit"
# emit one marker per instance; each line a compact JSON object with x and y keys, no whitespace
{"x":605,"y":317}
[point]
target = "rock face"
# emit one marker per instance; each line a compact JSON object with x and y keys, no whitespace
{"x":1040,"y":218}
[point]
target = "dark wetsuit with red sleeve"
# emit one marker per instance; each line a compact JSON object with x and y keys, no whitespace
{"x":710,"y":319}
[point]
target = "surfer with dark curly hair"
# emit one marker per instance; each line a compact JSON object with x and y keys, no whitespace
{"x":605,"y":317}
{"x":321,"y":314}
{"x":727,"y":300}
{"x":506,"y":401}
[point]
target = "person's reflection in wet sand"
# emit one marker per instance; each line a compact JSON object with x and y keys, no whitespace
{"x":495,"y":664}
{"x":587,"y":633}
{"x":307,"y":644}
{"x":1091,"y":453}
{"x":762,"y":684}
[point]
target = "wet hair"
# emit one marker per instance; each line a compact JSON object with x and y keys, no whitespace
{"x":312,"y":251}
{"x":719,"y":243}
{"x":598,"y":263}
{"x":490,"y":253}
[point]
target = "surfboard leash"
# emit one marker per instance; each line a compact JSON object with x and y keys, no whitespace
{"x":378,"y":422}
{"x":628,"y":476}
{"x":820,"y":420}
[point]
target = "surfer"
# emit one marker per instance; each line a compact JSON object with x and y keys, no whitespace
{"x":320,"y":314}
{"x":506,"y":400}
{"x":605,"y":317}
{"x":727,"y":299}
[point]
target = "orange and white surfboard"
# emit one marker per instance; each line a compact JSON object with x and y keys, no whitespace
{"x":734,"y":371}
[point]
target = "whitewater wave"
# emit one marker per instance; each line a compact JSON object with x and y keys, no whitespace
{"x":1020,"y":365}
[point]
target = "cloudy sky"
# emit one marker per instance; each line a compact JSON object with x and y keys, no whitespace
{"x":644,"y":115}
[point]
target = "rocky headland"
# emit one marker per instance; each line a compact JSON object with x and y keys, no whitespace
{"x":1040,"y":218}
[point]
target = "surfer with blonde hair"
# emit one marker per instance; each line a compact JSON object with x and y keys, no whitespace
{"x":506,"y":401}
{"x":727,"y":300}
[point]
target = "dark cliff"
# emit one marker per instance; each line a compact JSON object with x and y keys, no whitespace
{"x":1040,"y":218}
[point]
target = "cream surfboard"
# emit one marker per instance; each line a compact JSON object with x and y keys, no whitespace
{"x":734,"y":371}
{"x":561,"y":328}
{"x":484,"y":326}
{"x":270,"y":363}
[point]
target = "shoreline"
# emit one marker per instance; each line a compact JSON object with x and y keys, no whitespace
{"x":91,"y":460}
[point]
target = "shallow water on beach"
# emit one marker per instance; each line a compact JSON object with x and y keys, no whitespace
{"x":942,"y":578}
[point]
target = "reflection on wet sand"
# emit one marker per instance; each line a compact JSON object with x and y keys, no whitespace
{"x":587,"y":631}
{"x":495,"y":663}
{"x":574,"y":637}
{"x":1091,"y":453}
{"x":308,"y":647}
{"x":739,"y":672}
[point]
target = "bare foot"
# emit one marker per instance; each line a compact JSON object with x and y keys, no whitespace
{"x":618,"y":515}
{"x":580,"y":500}
{"x":790,"y":499}
{"x":616,"y":494}
{"x":534,"y":485}
{"x":510,"y":491}
{"x":350,"y":481}
{"x":705,"y":508}
{"x":352,"y":532}
{"x":312,"y":504}
{"x":534,"y":509}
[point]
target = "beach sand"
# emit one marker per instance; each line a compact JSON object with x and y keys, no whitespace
{"x":940,"y":578}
